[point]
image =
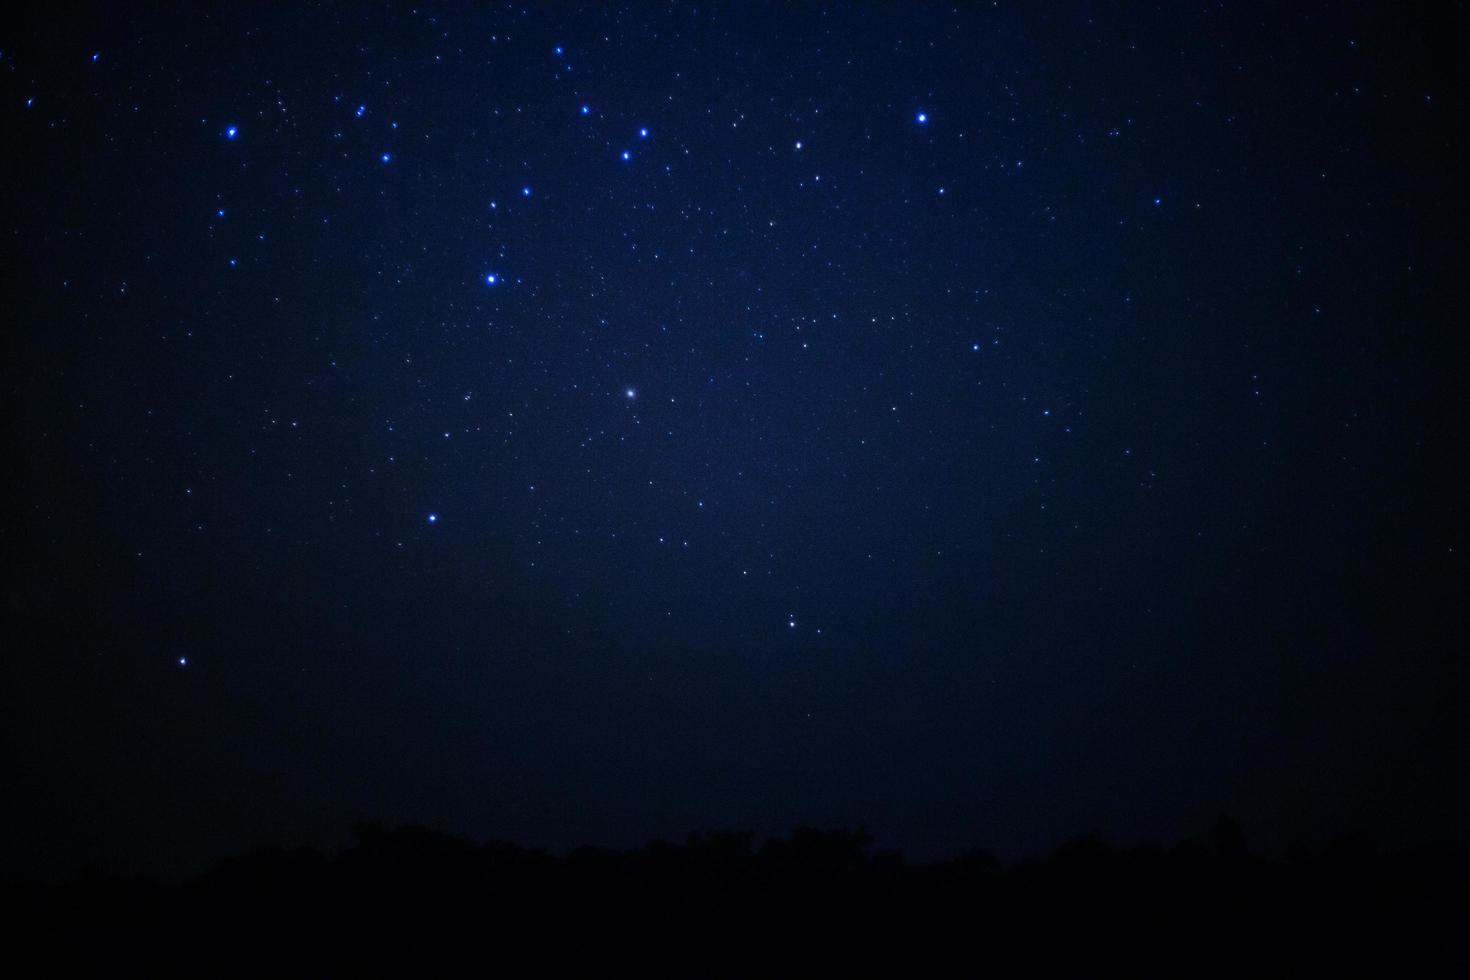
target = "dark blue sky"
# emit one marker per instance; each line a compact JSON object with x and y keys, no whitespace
{"x":595,"y":423}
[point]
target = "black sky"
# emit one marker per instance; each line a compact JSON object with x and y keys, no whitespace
{"x":983,"y":423}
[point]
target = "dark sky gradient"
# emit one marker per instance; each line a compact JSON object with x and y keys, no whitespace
{"x":1077,"y":458}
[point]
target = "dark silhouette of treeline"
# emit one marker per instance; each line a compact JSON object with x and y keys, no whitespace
{"x":819,"y":902}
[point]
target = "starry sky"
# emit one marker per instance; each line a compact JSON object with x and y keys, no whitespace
{"x":590,"y":423}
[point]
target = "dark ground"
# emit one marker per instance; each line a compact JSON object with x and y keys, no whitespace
{"x":819,"y":901}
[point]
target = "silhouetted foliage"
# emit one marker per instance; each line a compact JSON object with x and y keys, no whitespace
{"x":410,"y":899}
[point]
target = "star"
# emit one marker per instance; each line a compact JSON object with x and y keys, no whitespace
{"x":526,"y":191}
{"x":433,"y":518}
{"x":643,"y":133}
{"x":491,"y":279}
{"x":231,"y":132}
{"x":183,"y":661}
{"x":586,"y":110}
{"x":386,"y":157}
{"x":361,"y":110}
{"x":630,"y":393}
{"x":922,"y":117}
{"x":627,"y":155}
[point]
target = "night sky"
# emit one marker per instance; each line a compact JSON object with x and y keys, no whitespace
{"x":595,"y":423}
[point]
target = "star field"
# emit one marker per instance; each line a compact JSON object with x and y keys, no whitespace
{"x":589,"y":423}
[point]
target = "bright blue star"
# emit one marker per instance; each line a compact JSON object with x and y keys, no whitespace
{"x":220,"y":212}
{"x":1158,"y":201}
{"x":433,"y":518}
{"x":183,"y":661}
{"x":95,"y":56}
{"x":586,"y":110}
{"x":526,"y":191}
{"x":643,"y":133}
{"x":922,"y":117}
{"x":627,"y":155}
{"x":231,"y":132}
{"x":360,"y":110}
{"x":491,"y":279}
{"x":386,"y":157}
{"x":630,"y":393}
{"x":234,"y":262}
{"x":558,"y":51}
